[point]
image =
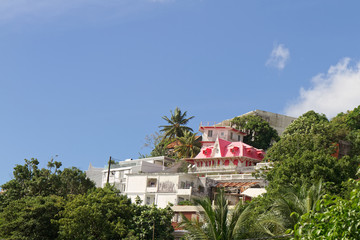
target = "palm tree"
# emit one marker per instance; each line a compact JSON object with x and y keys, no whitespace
{"x":218,"y":222}
{"x":188,"y":145}
{"x":176,"y":125}
{"x":289,"y":206}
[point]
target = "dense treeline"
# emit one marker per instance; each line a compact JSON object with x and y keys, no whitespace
{"x":50,"y":203}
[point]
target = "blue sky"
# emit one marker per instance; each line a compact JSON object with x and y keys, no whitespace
{"x":86,"y":79}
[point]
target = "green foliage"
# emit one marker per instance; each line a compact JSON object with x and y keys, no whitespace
{"x":101,"y":214}
{"x":259,"y":133}
{"x":308,"y":167}
{"x":31,"y":218}
{"x":219,"y":223}
{"x":304,"y":154}
{"x":176,"y":127}
{"x":335,"y":218}
{"x":185,"y":203}
{"x":149,"y":220}
{"x":188,"y":145}
{"x":29,"y":180}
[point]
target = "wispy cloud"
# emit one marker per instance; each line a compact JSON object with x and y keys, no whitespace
{"x":278,"y":57}
{"x":336,"y":91}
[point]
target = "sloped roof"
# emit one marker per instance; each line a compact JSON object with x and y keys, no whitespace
{"x":230,"y":149}
{"x":253,"y":192}
{"x":236,"y":184}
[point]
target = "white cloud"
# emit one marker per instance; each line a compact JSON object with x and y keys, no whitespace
{"x":278,"y":57}
{"x":336,"y":91}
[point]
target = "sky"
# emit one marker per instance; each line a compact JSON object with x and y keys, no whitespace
{"x":82,"y":80}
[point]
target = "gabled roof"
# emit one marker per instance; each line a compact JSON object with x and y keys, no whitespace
{"x":223,"y":148}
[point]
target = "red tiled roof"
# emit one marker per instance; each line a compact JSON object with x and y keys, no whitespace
{"x":236,"y":184}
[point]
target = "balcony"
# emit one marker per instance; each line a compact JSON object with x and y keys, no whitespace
{"x":151,"y":189}
{"x":184,"y":192}
{"x":231,"y":177}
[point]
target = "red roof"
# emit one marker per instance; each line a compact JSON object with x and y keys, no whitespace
{"x":230,"y":149}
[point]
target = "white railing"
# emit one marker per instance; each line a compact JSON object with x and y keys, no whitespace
{"x":151,"y":189}
{"x":263,"y":165}
{"x":231,"y":177}
{"x":184,"y":191}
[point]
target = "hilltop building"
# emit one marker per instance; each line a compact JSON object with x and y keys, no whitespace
{"x":277,"y":121}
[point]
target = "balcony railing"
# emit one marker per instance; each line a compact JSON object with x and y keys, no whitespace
{"x":186,"y":192}
{"x":231,"y":177}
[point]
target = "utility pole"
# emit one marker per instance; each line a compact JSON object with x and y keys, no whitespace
{"x":108,"y":176}
{"x":153,"y":237}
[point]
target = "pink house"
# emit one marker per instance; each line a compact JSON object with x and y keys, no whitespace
{"x":223,"y":156}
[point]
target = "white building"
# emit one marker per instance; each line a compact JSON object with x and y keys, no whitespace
{"x":164,"y":188}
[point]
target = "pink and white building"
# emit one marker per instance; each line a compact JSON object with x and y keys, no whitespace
{"x":218,"y":155}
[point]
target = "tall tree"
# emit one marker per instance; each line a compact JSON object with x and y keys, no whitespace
{"x":151,"y":222}
{"x":259,"y":132}
{"x":188,"y":145}
{"x":100,"y":214}
{"x":288,"y":206}
{"x":177,"y":122}
{"x":218,"y":222}
{"x":29,"y":180}
{"x":304,"y":155}
{"x":31,"y":218}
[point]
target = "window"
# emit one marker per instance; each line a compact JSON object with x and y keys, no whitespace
{"x":151,"y":182}
{"x":231,"y":135}
{"x":210,"y":133}
{"x":239,"y":138}
{"x":222,"y":133}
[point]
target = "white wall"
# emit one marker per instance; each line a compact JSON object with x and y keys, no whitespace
{"x":136,"y":184}
{"x":164,"y":199}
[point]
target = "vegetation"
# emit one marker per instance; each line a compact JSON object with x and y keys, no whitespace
{"x":188,"y":145}
{"x":177,"y":124}
{"x":218,"y":223}
{"x":333,"y":218}
{"x":64,"y":204}
{"x":309,"y":195}
{"x":259,"y":133}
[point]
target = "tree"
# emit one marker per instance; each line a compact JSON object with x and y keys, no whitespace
{"x":151,"y":222}
{"x":334,"y":218}
{"x":218,"y":223}
{"x":29,"y":181}
{"x":259,"y":133}
{"x":304,"y":155}
{"x":177,"y":122}
{"x":286,"y":208}
{"x":31,"y":218}
{"x":188,"y":145}
{"x":100,"y":214}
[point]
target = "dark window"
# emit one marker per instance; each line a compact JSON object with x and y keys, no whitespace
{"x":210,"y":133}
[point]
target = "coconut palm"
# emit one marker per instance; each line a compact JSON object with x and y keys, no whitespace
{"x":177,"y":122}
{"x":289,"y":206}
{"x":188,"y":146}
{"x":218,"y":223}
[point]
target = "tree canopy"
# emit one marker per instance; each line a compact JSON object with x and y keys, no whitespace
{"x":176,"y":124}
{"x":259,"y":132}
{"x":307,"y":151}
{"x":334,"y":218}
{"x":64,"y":204}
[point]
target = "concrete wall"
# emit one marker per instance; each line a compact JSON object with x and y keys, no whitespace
{"x":136,"y":184}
